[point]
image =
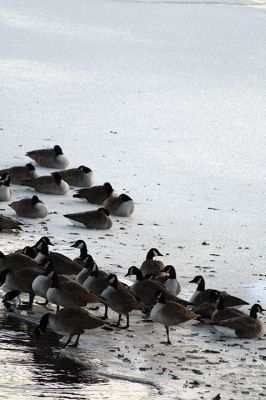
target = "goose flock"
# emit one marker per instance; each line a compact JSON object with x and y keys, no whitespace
{"x":75,"y":287}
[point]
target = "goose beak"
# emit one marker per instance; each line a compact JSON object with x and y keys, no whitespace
{"x":262,"y":312}
{"x":127,"y":274}
{"x":191,"y":281}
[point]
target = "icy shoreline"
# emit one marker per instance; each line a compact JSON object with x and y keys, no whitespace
{"x":168,"y":104}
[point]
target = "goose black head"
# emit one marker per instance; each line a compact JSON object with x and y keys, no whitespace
{"x":29,"y":251}
{"x":256,"y":308}
{"x":161,"y":298}
{"x":135,"y":271}
{"x":153,"y":253}
{"x":104,"y":211}
{"x":79,"y":244}
{"x":43,"y":239}
{"x":42,"y":247}
{"x":58,"y":150}
{"x":87,"y":170}
{"x":108,"y":188}
{"x":170,"y":270}
{"x":57,"y":177}
{"x":30,"y":167}
{"x":197,"y":279}
{"x":124,"y":197}
{"x":35,"y":199}
{"x":5,"y":179}
{"x":112,"y":280}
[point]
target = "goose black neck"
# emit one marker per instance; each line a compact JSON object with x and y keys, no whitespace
{"x":83,"y":251}
{"x":44,"y":322}
{"x":253,"y":312}
{"x":220,"y":305}
{"x":139,"y":275}
{"x":150,"y":255}
{"x":55,"y":281}
{"x":3,"y":275}
{"x":172,"y":273}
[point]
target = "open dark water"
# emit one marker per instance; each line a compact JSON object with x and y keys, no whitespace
{"x":30,"y":369}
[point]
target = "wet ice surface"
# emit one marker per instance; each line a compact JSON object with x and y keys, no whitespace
{"x":173,"y":113}
{"x":41,"y":369}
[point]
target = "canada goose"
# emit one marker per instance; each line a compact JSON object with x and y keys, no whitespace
{"x":85,"y":272}
{"x":151,"y":266}
{"x":243,"y":326}
{"x":170,"y":313}
{"x":97,"y":282}
{"x":16,"y":261}
{"x":70,"y":320}
{"x":70,"y":294}
{"x":201,"y":295}
{"x":172,"y":283}
{"x":147,"y":290}
{"x":97,"y":219}
{"x":49,"y":184}
{"x":30,"y":208}
{"x":123,"y":206}
{"x":9,"y":223}
{"x":5,"y":191}
{"x":81,"y":176}
{"x":206,"y":309}
{"x":95,"y":194}
{"x":19,"y":281}
{"x":63,"y":265}
{"x":43,"y":281}
{"x":51,"y":158}
{"x":20,"y":173}
{"x":80,"y":244}
{"x":35,"y":248}
{"x":120,"y":300}
{"x":221,"y":313}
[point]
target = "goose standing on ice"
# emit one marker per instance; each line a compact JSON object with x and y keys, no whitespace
{"x":170,"y":313}
{"x":71,"y":320}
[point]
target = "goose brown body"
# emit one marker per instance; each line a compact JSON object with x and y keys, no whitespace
{"x":95,"y":194}
{"x":30,"y":208}
{"x":70,"y":320}
{"x":81,"y":176}
{"x":9,"y":223}
{"x":243,"y":326}
{"x":170,"y":313}
{"x":122,"y":205}
{"x":151,"y":266}
{"x":20,"y":173}
{"x":98,"y":219}
{"x":70,"y":294}
{"x":49,"y":184}
{"x":50,"y":158}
